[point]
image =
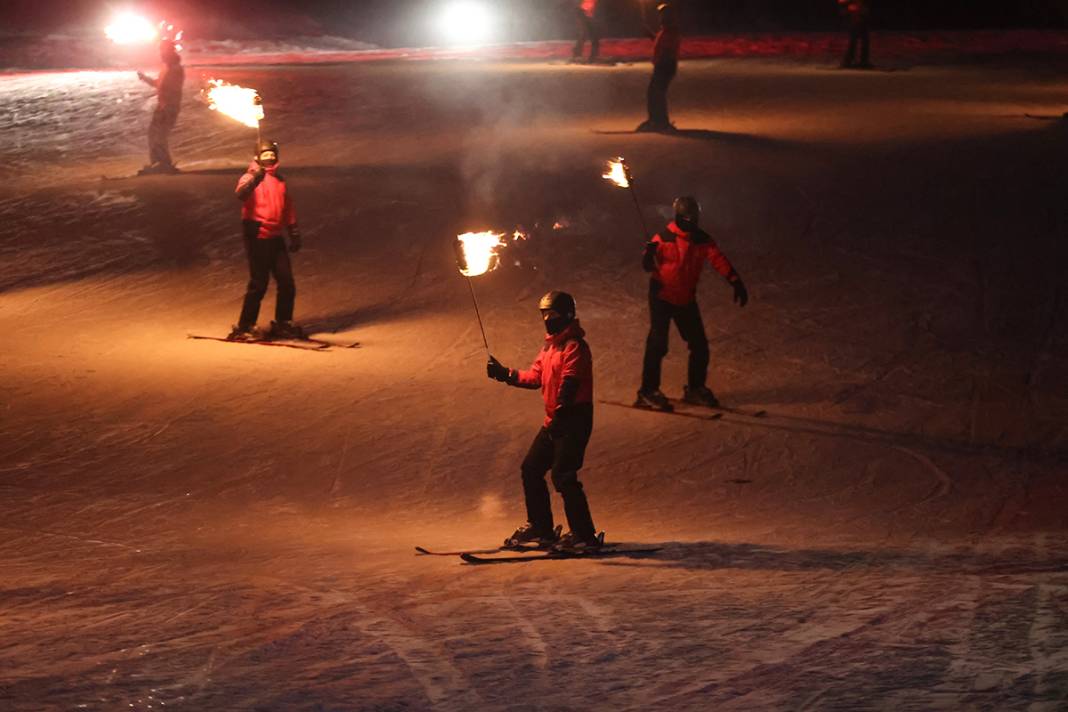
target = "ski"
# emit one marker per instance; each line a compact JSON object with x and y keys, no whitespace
{"x":1047,"y":117}
{"x":302,"y":344}
{"x":326,"y":344}
{"x":692,"y":410}
{"x":721,"y":409}
{"x":430,"y":552}
{"x":606,"y":551}
{"x":646,"y":409}
{"x":503,"y":547}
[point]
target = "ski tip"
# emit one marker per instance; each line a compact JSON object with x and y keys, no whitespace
{"x":760,"y":414}
{"x":421,"y":550}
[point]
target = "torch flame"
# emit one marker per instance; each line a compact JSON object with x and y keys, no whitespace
{"x":616,"y":171}
{"x":128,"y":28}
{"x":479,"y":252}
{"x":239,"y":103}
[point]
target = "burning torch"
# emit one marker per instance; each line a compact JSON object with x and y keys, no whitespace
{"x":242,"y":104}
{"x":618,"y":172}
{"x":476,"y":253}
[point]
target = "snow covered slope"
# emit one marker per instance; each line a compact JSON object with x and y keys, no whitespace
{"x":220,"y":526}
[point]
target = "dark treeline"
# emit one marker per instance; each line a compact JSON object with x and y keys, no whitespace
{"x":411,"y":22}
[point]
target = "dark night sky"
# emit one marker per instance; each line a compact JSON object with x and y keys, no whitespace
{"x":397,"y":21}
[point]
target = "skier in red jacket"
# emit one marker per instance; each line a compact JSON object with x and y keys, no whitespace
{"x":856,"y":14}
{"x":584,"y":12}
{"x":168,"y":86}
{"x":267,"y":211}
{"x":674,"y":258}
{"x":563,"y":370}
{"x":666,"y":44}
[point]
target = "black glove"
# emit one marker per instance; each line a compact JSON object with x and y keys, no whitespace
{"x":649,"y":256}
{"x":741,"y":295}
{"x":295,"y":240}
{"x":496,"y":371}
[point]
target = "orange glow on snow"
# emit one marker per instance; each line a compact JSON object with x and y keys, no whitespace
{"x":128,"y":28}
{"x":239,"y":103}
{"x":480,"y":252}
{"x":616,"y":171}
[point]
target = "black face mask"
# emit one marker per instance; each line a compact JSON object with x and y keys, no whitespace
{"x":685,"y":225}
{"x":556,"y":325}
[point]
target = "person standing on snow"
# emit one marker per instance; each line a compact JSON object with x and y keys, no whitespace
{"x":856,"y":14}
{"x":583,"y":11}
{"x":563,"y":370}
{"x":266,"y":212}
{"x":168,"y":86}
{"x":674,"y":258}
{"x":666,"y":43}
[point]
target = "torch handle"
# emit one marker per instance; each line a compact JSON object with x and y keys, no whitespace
{"x":641,"y":217}
{"x":479,"y":317}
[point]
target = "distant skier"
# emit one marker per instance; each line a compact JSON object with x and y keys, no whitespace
{"x":674,"y":258}
{"x":266,"y":212}
{"x":563,"y":370}
{"x":665,"y":65}
{"x":168,"y":85}
{"x":856,"y":14}
{"x":584,"y":11}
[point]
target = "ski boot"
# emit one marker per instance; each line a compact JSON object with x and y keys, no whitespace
{"x":653,"y":400}
{"x":243,"y":333}
{"x":700,"y":395}
{"x":528,"y":534}
{"x":155,"y":169}
{"x":572,"y":543}
{"x":285,"y":330}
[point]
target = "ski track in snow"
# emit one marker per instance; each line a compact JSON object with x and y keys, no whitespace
{"x":213,"y":527}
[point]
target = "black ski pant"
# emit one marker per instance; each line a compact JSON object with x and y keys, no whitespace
{"x":656,"y":97}
{"x":587,"y":30}
{"x":560,"y":451}
{"x":159,"y":132}
{"x":267,"y":257}
{"x":858,"y":33}
{"x":688,"y":321}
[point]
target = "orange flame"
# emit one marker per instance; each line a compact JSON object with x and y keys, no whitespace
{"x":616,"y":171}
{"x":480,"y":252}
{"x":128,"y":28}
{"x":239,"y":103}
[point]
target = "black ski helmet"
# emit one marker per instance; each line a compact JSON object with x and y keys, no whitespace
{"x":266,"y":144}
{"x":687,"y":211}
{"x":560,"y":302}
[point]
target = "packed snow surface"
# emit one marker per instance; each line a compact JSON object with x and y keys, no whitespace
{"x":207,"y":526}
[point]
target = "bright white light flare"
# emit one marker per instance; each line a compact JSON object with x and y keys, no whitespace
{"x":239,"y":103}
{"x":480,"y":252}
{"x":616,"y":171}
{"x":128,"y":28}
{"x":466,"y":22}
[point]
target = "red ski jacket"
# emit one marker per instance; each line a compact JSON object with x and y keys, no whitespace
{"x":855,"y":10}
{"x":678,"y":261}
{"x":266,"y":202}
{"x":565,"y":355}
{"x":588,"y":7}
{"x":666,"y":45}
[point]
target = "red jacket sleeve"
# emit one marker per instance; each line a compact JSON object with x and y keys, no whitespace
{"x":572,"y":360}
{"x":720,"y":263}
{"x":289,"y":213}
{"x":576,"y":364}
{"x":531,"y":378}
